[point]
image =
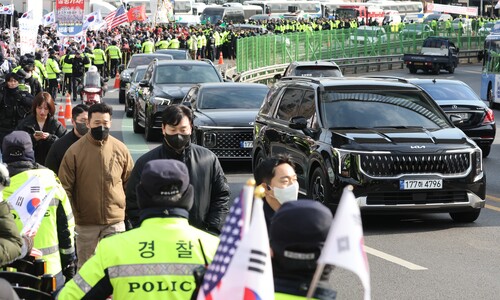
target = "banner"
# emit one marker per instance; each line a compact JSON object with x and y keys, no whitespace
{"x":137,"y":13}
{"x":28,"y":33}
{"x":69,"y":16}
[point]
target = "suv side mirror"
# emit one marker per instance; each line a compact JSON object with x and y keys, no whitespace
{"x":299,"y":123}
{"x":143,"y":83}
{"x":277,"y":76}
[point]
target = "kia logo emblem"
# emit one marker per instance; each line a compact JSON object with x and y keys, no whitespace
{"x":417,"y":147}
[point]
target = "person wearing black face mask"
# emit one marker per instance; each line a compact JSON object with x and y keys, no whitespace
{"x":94,"y":172}
{"x":79,"y":121}
{"x":211,"y":191}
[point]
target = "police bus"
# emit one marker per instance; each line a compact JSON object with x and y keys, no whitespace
{"x":490,"y":75}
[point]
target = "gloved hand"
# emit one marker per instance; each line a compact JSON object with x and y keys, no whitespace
{"x":68,"y":265}
{"x":4,"y":177}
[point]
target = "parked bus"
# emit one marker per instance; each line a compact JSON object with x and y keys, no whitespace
{"x":403,"y":7}
{"x":277,"y":8}
{"x":364,"y":14}
{"x":490,"y":75}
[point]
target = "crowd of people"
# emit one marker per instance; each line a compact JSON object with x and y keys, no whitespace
{"x":106,"y":208}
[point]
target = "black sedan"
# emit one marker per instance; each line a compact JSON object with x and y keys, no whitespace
{"x":139,"y":59}
{"x":131,"y":91}
{"x":224,"y":114}
{"x":467,"y":111}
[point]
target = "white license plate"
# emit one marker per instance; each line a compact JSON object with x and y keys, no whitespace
{"x":420,"y":184}
{"x":464,"y":116}
{"x":246,"y":144}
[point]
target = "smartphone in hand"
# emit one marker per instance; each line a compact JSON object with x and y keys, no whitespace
{"x":38,"y":133}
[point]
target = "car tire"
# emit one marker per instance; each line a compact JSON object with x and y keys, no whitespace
{"x":436,"y":70}
{"x":150,"y":133}
{"x":260,"y":157}
{"x":466,"y":216}
{"x":319,"y":188}
{"x":490,"y":97}
{"x":121,"y":96}
{"x":135,"y":123}
{"x":486,"y":150}
{"x":451,"y":69}
{"x":413,"y":70}
{"x":129,"y":113}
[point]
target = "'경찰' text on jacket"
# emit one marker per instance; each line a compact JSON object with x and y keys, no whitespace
{"x":94,"y":175}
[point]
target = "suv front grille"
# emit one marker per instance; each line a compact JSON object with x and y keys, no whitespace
{"x":228,"y":143}
{"x":394,"y":165}
{"x":416,"y":197}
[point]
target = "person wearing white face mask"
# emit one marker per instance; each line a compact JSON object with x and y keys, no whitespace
{"x":277,"y":176}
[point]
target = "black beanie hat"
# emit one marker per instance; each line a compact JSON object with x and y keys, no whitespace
{"x":17,"y":146}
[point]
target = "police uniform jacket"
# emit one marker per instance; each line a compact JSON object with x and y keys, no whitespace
{"x":154,"y":261}
{"x":41,"y":147}
{"x":94,"y":175}
{"x":211,"y":191}
{"x":55,"y":235}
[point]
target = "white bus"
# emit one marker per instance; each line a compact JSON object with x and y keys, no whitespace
{"x":310,"y":9}
{"x":403,"y":7}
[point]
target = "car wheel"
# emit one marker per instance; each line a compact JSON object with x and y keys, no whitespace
{"x":491,"y":97}
{"x":451,"y":69}
{"x":135,"y":122}
{"x":486,"y":150}
{"x":413,"y":70}
{"x":466,"y":216}
{"x":149,"y":132}
{"x":260,"y":157}
{"x":319,"y":188}
{"x":121,"y":96}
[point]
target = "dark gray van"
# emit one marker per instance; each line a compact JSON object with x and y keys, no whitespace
{"x":213,"y":14}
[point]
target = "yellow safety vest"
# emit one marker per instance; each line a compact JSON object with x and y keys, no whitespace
{"x":52,"y":68}
{"x":99,"y":56}
{"x":154,"y":261}
{"x":46,"y":239}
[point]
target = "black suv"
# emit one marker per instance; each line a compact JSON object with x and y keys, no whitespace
{"x":318,"y":68}
{"x":165,"y":83}
{"x":388,"y":139}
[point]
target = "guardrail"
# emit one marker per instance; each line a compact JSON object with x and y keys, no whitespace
{"x":353,"y":65}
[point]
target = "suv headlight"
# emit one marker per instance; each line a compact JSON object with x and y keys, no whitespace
{"x":478,"y":163}
{"x":161,"y":101}
{"x":344,"y":161}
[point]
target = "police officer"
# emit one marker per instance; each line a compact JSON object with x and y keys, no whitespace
{"x":156,"y":260}
{"x":55,"y":235}
{"x":297,"y":235}
{"x":53,"y":71}
{"x":78,"y":63}
{"x":115,"y":56}
{"x":148,"y":46}
{"x":100,"y":60}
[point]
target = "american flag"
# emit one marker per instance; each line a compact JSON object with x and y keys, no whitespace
{"x":230,"y":237}
{"x":116,"y":17}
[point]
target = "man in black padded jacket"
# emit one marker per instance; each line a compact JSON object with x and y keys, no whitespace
{"x":211,"y":191}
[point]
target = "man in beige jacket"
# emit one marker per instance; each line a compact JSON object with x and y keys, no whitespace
{"x":94,"y":172}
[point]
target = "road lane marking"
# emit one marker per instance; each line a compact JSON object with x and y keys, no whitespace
{"x":394,"y":259}
{"x":492,"y":207}
{"x":492,"y":198}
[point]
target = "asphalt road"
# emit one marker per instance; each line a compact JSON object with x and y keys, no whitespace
{"x":410,"y":257}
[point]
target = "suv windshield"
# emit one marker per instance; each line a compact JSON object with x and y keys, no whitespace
{"x":318,"y":71}
{"x":186,"y":74}
{"x":145,"y":60}
{"x":370,"y":109}
{"x":248,"y":98}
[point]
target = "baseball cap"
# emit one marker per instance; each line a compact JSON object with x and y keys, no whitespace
{"x":299,"y":229}
{"x":17,"y":146}
{"x":164,"y":184}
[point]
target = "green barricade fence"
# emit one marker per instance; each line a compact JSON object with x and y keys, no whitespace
{"x":272,"y":49}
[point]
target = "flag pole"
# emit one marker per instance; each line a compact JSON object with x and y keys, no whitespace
{"x":248,"y":203}
{"x":315,"y":280}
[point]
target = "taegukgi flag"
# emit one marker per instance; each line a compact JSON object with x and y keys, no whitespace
{"x":344,"y":246}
